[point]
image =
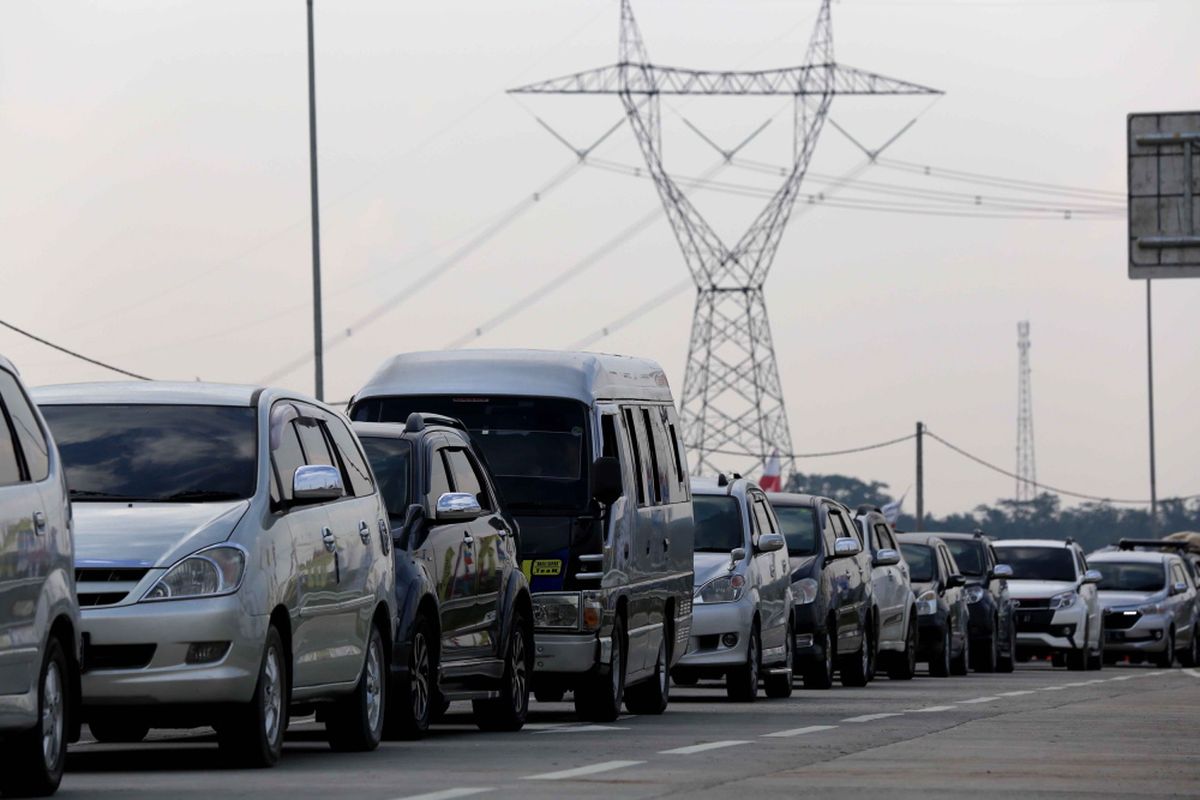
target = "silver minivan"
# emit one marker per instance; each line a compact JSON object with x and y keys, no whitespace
{"x":233,"y":562}
{"x":39,"y":616}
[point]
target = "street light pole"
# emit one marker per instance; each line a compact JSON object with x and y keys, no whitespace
{"x":1150,"y":394}
{"x":318,"y":343}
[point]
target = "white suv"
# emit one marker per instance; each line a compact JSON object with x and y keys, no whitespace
{"x":1058,"y":608}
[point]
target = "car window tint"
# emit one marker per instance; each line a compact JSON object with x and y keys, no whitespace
{"x":656,"y":492}
{"x":465,"y":477}
{"x":287,"y":457}
{"x":829,"y":532}
{"x":10,"y":470}
{"x":838,"y":524}
{"x":762,"y":517}
{"x":718,"y":524}
{"x":799,"y":527}
{"x":25,"y":424}
{"x":919,"y":558}
{"x":681,"y":484}
{"x":969,"y":556}
{"x":390,"y":461}
{"x":631,"y":425}
{"x":439,"y":480}
{"x":312,"y":439}
{"x":355,"y":466}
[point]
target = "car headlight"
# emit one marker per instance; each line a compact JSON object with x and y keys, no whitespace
{"x":725,"y":589}
{"x":217,"y":570}
{"x":974,"y":594}
{"x":927,"y":602}
{"x":1152,"y":608}
{"x":556,"y":610}
{"x":805,"y":590}
{"x":1064,"y":600}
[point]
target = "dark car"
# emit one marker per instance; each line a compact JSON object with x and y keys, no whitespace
{"x":993,"y":625}
{"x":831,"y":585}
{"x":465,"y":629}
{"x":942,"y":616}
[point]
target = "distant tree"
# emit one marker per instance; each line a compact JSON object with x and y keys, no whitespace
{"x":843,"y":488}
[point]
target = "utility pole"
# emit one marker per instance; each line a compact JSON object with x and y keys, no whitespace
{"x":1026,"y":489}
{"x":1150,"y":393}
{"x":920,"y":476}
{"x":318,"y":337}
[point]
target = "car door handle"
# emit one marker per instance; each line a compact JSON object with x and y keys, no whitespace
{"x":666,"y":543}
{"x":364,"y":532}
{"x":39,"y":523}
{"x":468,"y":538}
{"x":329,"y":539}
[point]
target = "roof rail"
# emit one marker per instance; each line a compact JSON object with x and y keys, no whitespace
{"x":865,"y":507}
{"x":1154,"y":544}
{"x":977,"y":533}
{"x":418,"y":420}
{"x":1069,"y":540}
{"x":722,"y":480}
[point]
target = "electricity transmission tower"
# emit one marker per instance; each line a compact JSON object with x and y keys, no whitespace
{"x":732,"y":401}
{"x":1026,"y":464}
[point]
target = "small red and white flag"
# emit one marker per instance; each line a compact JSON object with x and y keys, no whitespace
{"x":770,"y":478}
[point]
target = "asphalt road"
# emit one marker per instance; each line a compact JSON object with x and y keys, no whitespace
{"x":1040,"y":732}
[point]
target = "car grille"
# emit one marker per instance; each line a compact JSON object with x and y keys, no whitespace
{"x":118,"y":656}
{"x":1033,"y":620}
{"x":106,"y":586}
{"x":1120,"y":620}
{"x":708,"y":641}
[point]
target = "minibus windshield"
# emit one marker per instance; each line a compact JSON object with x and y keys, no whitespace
{"x":535,"y":446}
{"x":156,"y":453}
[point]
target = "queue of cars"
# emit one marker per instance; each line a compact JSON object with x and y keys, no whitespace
{"x":478,"y":526}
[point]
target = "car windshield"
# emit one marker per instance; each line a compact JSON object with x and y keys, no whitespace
{"x":1039,"y":563}
{"x":718,"y":523}
{"x":535,"y":446}
{"x":156,"y":453}
{"x":1119,"y":576}
{"x":799,"y":528}
{"x":389,"y":459}
{"x":919,"y":558}
{"x":968,"y":555}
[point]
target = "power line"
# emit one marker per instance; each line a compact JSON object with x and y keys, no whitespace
{"x":863,"y":449}
{"x":72,"y":353}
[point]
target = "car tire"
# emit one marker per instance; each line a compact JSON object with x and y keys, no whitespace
{"x":112,"y":729}
{"x":903,"y":665}
{"x":1166,"y":659}
{"x":1008,"y":663}
{"x":962,"y":664}
{"x":355,"y":723}
{"x":1095,"y":658}
{"x":252,"y":735}
{"x":34,"y":758}
{"x":1191,"y":656}
{"x":855,"y":668}
{"x":1077,"y":659}
{"x":509,"y":711}
{"x":1058,"y":659}
{"x":818,"y":673}
{"x":598,"y":698}
{"x":652,"y":696}
{"x":741,"y":682}
{"x":779,"y":685}
{"x":985,"y":653}
{"x":411,"y":698}
{"x":939,"y":659}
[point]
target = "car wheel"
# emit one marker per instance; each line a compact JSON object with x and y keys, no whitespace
{"x":1058,"y":659}
{"x":855,"y":668}
{"x":508,"y":711}
{"x":1191,"y":656}
{"x":779,"y":684}
{"x":111,"y":729}
{"x":904,"y":665}
{"x":1006,"y":663}
{"x":939,"y":660}
{"x":599,"y":697}
{"x":1166,"y":659}
{"x":818,"y":674}
{"x":985,"y":653}
{"x":355,"y":723}
{"x":741,"y":683}
{"x":1077,"y":659}
{"x":961,"y":665}
{"x":34,"y":758}
{"x":652,"y":696}
{"x":411,"y":701}
{"x":252,"y":735}
{"x":1095,"y":658}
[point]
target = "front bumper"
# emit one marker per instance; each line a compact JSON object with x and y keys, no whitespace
{"x":982,"y":620}
{"x":167,"y":629}
{"x":1147,"y":635}
{"x":710,"y":623}
{"x":931,"y":632}
{"x":568,"y":653}
{"x":1042,"y":630}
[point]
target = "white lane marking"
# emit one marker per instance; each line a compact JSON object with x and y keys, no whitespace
{"x":579,"y":772}
{"x":1052,"y":688}
{"x":974,"y":700}
{"x":870,"y":717}
{"x":1074,"y":685}
{"x":450,"y":794}
{"x":1093,"y":681}
{"x":1192,"y":672}
{"x":929,"y":710}
{"x":799,"y":731}
{"x":701,"y":748}
{"x":1124,"y":678}
{"x":1017,"y":693}
{"x":583,"y":729}
{"x":1151,"y":674}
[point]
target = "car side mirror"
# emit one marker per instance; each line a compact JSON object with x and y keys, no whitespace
{"x":735,"y":556}
{"x":771,"y":542}
{"x":955,"y":581}
{"x":1092,"y":576}
{"x":845,"y":547}
{"x":1002,"y":571}
{"x":1179,"y":588}
{"x":886,"y":557}
{"x":316,"y":483}
{"x":455,"y":506}
{"x":606,"y":480}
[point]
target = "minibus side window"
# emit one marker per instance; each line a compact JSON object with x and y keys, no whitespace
{"x":631,"y":428}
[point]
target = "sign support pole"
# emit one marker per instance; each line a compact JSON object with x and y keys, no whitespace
{"x":1150,"y":395}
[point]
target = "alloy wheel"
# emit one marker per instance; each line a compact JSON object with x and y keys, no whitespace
{"x":419,"y":676}
{"x":272,"y":696}
{"x":374,"y":685}
{"x":615,"y":673}
{"x":53,"y":716}
{"x":519,"y":679}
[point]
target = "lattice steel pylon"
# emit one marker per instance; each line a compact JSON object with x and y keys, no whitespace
{"x":1026,"y":463}
{"x":732,"y":402}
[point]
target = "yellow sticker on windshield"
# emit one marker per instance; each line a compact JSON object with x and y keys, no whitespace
{"x":546,"y":567}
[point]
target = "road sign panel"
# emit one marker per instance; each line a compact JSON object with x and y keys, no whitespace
{"x":1164,"y":195}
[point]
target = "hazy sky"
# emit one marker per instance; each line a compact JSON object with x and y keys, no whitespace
{"x":154,"y":208}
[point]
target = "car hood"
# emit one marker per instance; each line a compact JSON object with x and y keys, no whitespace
{"x":151,"y":534}
{"x":1021,"y":590}
{"x":707,"y":566}
{"x":917,"y":588}
{"x":1111,"y":599}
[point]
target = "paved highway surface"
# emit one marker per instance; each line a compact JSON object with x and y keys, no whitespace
{"x":1040,"y":732}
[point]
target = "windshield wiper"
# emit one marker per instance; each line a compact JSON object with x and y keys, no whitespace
{"x":88,"y":494}
{"x":201,"y":495}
